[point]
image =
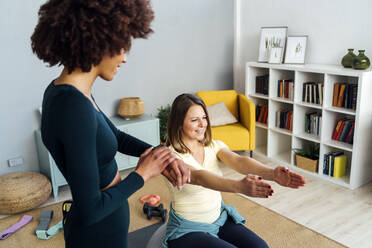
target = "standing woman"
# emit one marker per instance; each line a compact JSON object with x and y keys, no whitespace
{"x":90,"y":39}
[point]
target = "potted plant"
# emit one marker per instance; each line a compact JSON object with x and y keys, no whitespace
{"x":307,"y":157}
{"x":163,"y":113}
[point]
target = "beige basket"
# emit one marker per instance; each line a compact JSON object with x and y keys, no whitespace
{"x":307,"y":164}
{"x":131,"y":107}
{"x":22,"y":191}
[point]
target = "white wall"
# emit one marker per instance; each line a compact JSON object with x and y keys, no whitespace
{"x":332,"y":27}
{"x":190,"y":50}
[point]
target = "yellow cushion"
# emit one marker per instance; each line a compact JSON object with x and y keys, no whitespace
{"x":230,"y":97}
{"x":235,"y":136}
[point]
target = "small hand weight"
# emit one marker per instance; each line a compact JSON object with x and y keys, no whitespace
{"x":158,"y":211}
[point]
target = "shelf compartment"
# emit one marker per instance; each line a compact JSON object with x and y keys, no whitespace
{"x":279,"y":75}
{"x":279,"y":147}
{"x":300,"y":113}
{"x":305,"y":77}
{"x":331,"y":80}
{"x":299,"y":143}
{"x":331,"y":119}
{"x":251,"y":74}
{"x":261,"y":121}
{"x":261,"y":141}
{"x":274,"y":118}
{"x":328,"y":149}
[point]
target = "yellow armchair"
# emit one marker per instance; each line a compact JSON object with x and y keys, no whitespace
{"x":237,"y":136}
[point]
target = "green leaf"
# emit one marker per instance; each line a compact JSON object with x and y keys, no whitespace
{"x":163,"y":113}
{"x":310,"y":150}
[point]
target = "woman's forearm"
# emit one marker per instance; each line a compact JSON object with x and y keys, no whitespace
{"x":213,"y":181}
{"x":246,"y":165}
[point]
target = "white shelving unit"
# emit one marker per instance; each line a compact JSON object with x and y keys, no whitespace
{"x":278,"y":144}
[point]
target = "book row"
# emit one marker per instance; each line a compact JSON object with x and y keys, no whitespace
{"x":262,"y":84}
{"x":286,"y":89}
{"x":313,"y":92}
{"x":344,"y":130}
{"x":261,"y":113}
{"x":334,"y":164}
{"x":313,"y":122}
{"x":284,"y":119}
{"x":345,"y":95}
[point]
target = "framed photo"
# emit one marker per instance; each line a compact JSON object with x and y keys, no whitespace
{"x":296,"y":49}
{"x":272,"y":37}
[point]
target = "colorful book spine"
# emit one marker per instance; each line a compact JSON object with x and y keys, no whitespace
{"x":336,"y":88}
{"x":339,"y":166}
{"x":325,"y":164}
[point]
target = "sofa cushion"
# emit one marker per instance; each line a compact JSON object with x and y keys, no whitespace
{"x":219,"y":115}
{"x":230,"y":97}
{"x":235,"y":136}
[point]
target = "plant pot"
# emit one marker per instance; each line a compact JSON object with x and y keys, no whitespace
{"x":307,"y":164}
{"x":131,"y":107}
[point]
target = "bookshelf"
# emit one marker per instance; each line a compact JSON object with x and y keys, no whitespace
{"x":278,"y":143}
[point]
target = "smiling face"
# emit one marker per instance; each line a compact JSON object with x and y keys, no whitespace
{"x":108,"y":67}
{"x":194,"y":124}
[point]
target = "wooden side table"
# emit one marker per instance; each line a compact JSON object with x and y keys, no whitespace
{"x":145,"y":128}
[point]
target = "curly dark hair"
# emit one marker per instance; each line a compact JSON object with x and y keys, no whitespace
{"x":78,"y":33}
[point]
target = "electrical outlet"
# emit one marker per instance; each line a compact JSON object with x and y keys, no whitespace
{"x":15,"y":161}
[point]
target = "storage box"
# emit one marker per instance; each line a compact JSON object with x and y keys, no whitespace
{"x":307,"y":164}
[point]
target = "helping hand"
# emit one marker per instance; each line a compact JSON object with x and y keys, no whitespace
{"x":287,"y":178}
{"x":152,"y":162}
{"x":177,"y":172}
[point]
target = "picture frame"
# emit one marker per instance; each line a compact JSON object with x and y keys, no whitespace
{"x":272,"y":37}
{"x":296,"y":49}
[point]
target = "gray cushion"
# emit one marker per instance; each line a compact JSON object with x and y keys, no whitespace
{"x":157,"y":237}
{"x":219,"y":115}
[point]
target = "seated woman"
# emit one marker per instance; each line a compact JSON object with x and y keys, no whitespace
{"x":198,"y":216}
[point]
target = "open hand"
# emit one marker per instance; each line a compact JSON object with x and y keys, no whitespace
{"x":253,"y":186}
{"x":288,"y":178}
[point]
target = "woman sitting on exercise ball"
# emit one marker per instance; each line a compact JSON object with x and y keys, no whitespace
{"x":198,"y":216}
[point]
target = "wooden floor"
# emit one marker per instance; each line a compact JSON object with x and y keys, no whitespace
{"x":341,"y":214}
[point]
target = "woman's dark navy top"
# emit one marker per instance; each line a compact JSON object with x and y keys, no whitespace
{"x":83,"y":143}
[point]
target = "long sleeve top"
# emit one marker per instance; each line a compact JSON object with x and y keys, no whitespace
{"x":83,"y":143}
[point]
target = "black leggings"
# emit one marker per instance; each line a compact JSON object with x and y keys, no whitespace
{"x":230,"y":235}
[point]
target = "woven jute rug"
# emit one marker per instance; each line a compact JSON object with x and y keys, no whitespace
{"x":276,"y":230}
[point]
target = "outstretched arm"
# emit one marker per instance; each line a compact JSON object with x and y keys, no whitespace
{"x":246,"y":165}
{"x":250,"y":185}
